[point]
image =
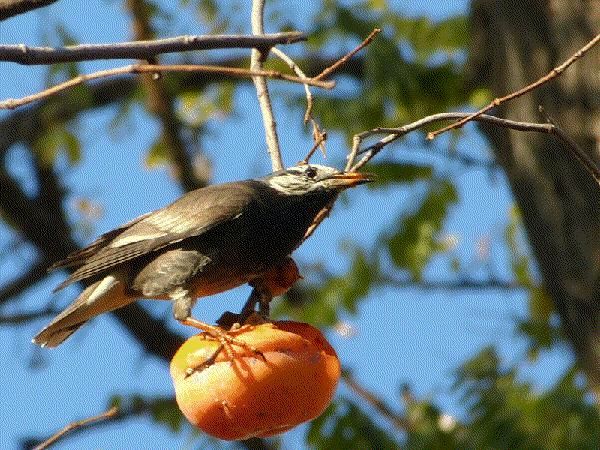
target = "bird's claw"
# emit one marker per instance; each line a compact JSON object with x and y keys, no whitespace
{"x":204,"y":365}
{"x":227,"y":340}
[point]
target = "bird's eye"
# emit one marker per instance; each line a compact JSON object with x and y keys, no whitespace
{"x":310,"y":172}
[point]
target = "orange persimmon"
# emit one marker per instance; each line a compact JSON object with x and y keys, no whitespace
{"x":243,"y":395}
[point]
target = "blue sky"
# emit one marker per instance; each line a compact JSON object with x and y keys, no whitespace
{"x":425,"y":335}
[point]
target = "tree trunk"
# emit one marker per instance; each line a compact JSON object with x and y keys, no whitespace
{"x":514,"y":43}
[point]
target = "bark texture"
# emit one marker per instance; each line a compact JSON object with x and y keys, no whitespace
{"x":514,"y":43}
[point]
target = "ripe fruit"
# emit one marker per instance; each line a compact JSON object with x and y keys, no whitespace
{"x":246,"y":396}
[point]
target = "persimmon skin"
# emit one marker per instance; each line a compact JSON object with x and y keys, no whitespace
{"x":247,"y":396}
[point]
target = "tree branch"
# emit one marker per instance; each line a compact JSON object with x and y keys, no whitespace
{"x":22,"y":126}
{"x":160,"y":103}
{"x":396,"y":133}
{"x":152,"y":334}
{"x":141,"y":49}
{"x":498,"y":101}
{"x":262,"y":91}
{"x":112,"y":412}
{"x":35,"y":274}
{"x":339,"y":63}
{"x":10,"y":8}
{"x":400,"y":422}
{"x":18,"y":319}
{"x":138,"y":406}
{"x":234,"y":72}
{"x":318,"y":135}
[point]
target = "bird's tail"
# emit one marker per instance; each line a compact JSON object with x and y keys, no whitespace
{"x":102,"y":296}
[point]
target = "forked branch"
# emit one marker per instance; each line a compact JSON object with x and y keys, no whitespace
{"x":143,"y":49}
{"x":498,"y":101}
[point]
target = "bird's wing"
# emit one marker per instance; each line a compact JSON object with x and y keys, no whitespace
{"x":79,"y":257}
{"x":191,"y":215}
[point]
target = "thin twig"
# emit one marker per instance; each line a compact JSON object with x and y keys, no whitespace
{"x":235,"y":72}
{"x":36,"y":272}
{"x":400,"y":422}
{"x":356,"y":141}
{"x":262,"y":91}
{"x":396,"y":133}
{"x":161,"y":103}
{"x":19,"y":319}
{"x":10,"y":8}
{"x":319,"y":136}
{"x":142,"y":49}
{"x":75,"y":425}
{"x":320,"y":217}
{"x":292,"y":65}
{"x":349,"y":55}
{"x":497,"y":101}
{"x":324,"y":213}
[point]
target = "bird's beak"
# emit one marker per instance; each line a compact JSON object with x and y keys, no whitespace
{"x":350,"y":179}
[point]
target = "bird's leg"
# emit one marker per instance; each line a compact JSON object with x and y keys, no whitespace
{"x":182,"y":304}
{"x":250,"y":304}
{"x":182,"y":309}
{"x":229,"y":319}
{"x":274,"y":282}
{"x":264,"y":303}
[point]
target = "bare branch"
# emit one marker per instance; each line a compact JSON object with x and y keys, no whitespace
{"x":461,"y":285}
{"x":497,"y":101}
{"x":10,"y":8}
{"x":160,"y":102}
{"x":33,"y":275}
{"x":234,"y":72}
{"x":141,"y":49}
{"x":136,"y":406}
{"x":292,"y":65}
{"x":18,"y":319}
{"x":396,"y":133}
{"x":152,"y":334}
{"x":320,"y":217}
{"x":344,"y":59}
{"x":262,"y":91}
{"x":319,"y":136}
{"x":25,"y":125}
{"x":400,"y":422}
{"x":112,"y":412}
{"x":324,"y":213}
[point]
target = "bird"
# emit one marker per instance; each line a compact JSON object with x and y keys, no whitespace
{"x":208,"y":241}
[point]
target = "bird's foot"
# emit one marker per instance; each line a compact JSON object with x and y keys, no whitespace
{"x":206,"y":364}
{"x":274,"y":282}
{"x":226,"y":339}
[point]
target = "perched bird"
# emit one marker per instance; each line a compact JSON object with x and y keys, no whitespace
{"x":208,"y":241}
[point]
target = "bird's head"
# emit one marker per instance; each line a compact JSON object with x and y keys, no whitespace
{"x":313,"y":178}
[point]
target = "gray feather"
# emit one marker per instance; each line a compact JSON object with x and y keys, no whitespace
{"x":192,"y":215}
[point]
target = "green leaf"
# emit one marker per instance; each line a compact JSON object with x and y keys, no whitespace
{"x":386,"y":173}
{"x":321,"y":303}
{"x":504,"y":412}
{"x":55,"y":141}
{"x":344,"y":425}
{"x":427,"y":37}
{"x":480,"y":97}
{"x":415,"y":242}
{"x":541,"y":306}
{"x":158,"y":155}
{"x":165,"y":411}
